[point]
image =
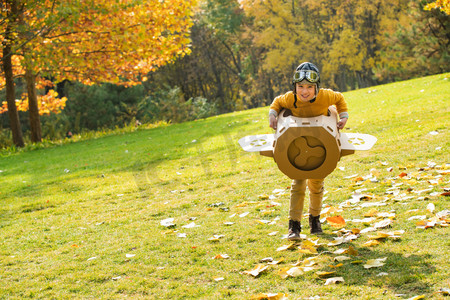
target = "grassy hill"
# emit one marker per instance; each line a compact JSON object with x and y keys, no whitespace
{"x":86,"y":219}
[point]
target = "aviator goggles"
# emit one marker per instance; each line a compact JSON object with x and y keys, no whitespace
{"x":310,"y":75}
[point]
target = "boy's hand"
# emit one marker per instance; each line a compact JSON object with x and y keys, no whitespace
{"x":341,"y":123}
{"x":273,"y":122}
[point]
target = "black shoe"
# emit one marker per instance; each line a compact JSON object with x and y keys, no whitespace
{"x":314,"y":224}
{"x":294,"y":230}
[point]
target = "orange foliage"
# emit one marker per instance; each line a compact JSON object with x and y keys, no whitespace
{"x":92,"y":42}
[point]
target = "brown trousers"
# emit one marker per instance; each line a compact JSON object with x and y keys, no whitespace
{"x":298,"y":190}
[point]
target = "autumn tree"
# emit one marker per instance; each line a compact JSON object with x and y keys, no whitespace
{"x":91,"y":42}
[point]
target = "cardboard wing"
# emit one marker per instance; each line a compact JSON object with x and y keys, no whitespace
{"x":307,"y":147}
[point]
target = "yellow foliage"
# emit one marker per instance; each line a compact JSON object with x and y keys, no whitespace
{"x":443,"y":5}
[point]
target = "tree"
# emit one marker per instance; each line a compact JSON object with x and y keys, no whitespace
{"x":443,"y":5}
{"x":92,"y":42}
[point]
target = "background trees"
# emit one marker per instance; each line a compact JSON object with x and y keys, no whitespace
{"x":241,"y":53}
{"x":88,"y":41}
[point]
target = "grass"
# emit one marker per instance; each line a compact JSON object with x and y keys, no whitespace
{"x":83,"y":219}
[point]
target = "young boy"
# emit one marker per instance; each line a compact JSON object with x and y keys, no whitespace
{"x":307,"y":100}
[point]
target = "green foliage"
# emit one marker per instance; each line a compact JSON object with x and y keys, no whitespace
{"x":169,"y":105}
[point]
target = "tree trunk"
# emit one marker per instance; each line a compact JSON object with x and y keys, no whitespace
{"x":11,"y":97}
{"x":33,"y":109}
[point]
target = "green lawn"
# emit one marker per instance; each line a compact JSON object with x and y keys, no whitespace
{"x":83,"y":219}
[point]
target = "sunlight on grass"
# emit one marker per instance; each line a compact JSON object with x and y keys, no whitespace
{"x":83,"y":219}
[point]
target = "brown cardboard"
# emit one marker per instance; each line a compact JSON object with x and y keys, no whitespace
{"x":307,"y":147}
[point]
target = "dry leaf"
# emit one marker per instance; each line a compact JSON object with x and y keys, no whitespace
{"x":276,"y":262}
{"x":287,"y":247}
{"x":370,"y":243}
{"x":431,"y":207}
{"x":334,"y":280}
{"x":341,"y":258}
{"x":218,"y":279}
{"x":324,"y":274}
{"x":295,"y":271}
{"x":168,"y":222}
{"x":215,"y":238}
{"x":336,"y":221}
{"x":257,"y":270}
{"x":383,"y":224}
{"x":190,"y":225}
{"x":352,"y":251}
{"x":374,"y":263}
{"x":417,"y":297}
{"x":221,"y":256}
{"x":337,"y":241}
{"x":270,"y":296}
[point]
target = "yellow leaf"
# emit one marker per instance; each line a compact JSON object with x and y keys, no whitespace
{"x":417,"y":297}
{"x":374,"y":263}
{"x":371,"y":213}
{"x":286,"y":247}
{"x":256,"y":270}
{"x":370,"y":243}
{"x":269,"y":296}
{"x":336,"y":266}
{"x":341,"y":258}
{"x":295,"y":271}
{"x":325,"y":274}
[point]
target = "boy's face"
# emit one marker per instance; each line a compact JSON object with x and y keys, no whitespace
{"x":306,"y":91}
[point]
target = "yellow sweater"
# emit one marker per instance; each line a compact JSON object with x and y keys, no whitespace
{"x":324,"y":99}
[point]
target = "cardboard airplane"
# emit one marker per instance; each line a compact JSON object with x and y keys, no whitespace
{"x":307,"y":147}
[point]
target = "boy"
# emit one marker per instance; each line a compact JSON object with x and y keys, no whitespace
{"x":307,"y":100}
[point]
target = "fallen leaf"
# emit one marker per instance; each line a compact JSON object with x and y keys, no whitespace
{"x":286,"y":247}
{"x":336,"y":221}
{"x":417,"y":297}
{"x":130,"y":255}
{"x":324,"y":274}
{"x":341,"y":258}
{"x":168,"y":222}
{"x":370,"y":243}
{"x":375,"y":263}
{"x":383,"y":224}
{"x":431,"y":207}
{"x":221,"y":256}
{"x":295,"y":271}
{"x":256,"y":270}
{"x":334,"y":280}
{"x":270,"y":296}
{"x":216,"y":238}
{"x":218,"y":279}
{"x":190,"y":225}
{"x":352,"y":251}
{"x":337,"y":241}
{"x":276,"y":262}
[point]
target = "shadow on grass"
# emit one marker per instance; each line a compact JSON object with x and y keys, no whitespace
{"x":403,"y":274}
